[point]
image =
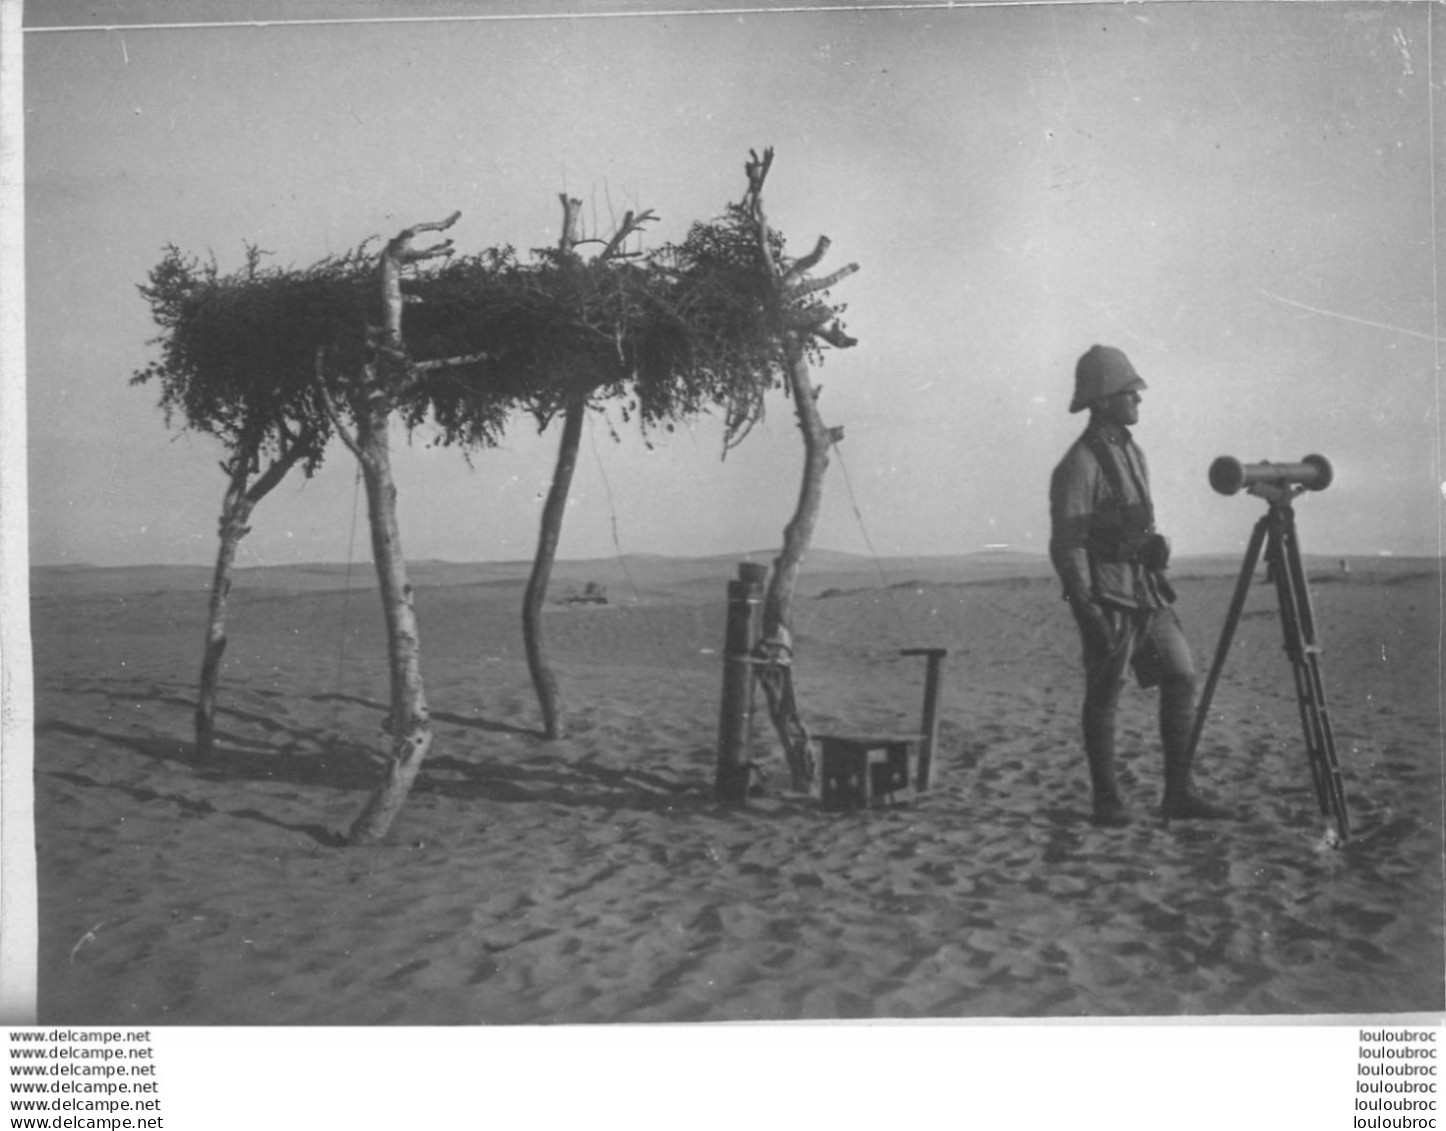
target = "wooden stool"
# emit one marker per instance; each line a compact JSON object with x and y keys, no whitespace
{"x":858,"y":772}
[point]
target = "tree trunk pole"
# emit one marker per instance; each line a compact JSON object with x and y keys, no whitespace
{"x":798,"y":534}
{"x":236,"y":510}
{"x":409,"y":722}
{"x":544,"y":680}
{"x":234,"y":513}
{"x":388,"y":373}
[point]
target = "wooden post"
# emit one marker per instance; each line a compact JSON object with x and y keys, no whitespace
{"x":930,"y":724}
{"x":544,"y":679}
{"x":736,"y":717}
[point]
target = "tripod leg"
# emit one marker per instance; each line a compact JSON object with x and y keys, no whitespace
{"x":1298,"y":623}
{"x":1329,"y":771}
{"x":1330,"y":766}
{"x":1282,"y":572}
{"x":1232,"y":618}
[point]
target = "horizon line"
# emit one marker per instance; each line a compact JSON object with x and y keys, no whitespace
{"x":741,"y":556}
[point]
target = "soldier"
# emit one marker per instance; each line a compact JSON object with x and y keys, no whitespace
{"x":1111,"y":563}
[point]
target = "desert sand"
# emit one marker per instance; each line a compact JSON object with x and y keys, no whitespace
{"x":595,"y":879}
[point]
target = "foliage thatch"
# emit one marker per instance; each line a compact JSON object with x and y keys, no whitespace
{"x":238,"y":350}
{"x":682,"y":330}
{"x":667,"y":336}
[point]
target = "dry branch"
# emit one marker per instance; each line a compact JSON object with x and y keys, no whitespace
{"x":813,"y":286}
{"x":808,"y":262}
{"x":329,"y":405}
{"x":629,"y":225}
{"x":449,"y":362}
{"x":397,"y":255}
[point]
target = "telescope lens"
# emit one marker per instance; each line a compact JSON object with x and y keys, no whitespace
{"x":1324,"y":473}
{"x":1227,"y":475}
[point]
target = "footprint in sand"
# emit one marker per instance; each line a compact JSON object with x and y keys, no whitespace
{"x":708,"y":921}
{"x":402,"y":971}
{"x":1365,"y":921}
{"x":486,"y":969}
{"x":939,"y":872}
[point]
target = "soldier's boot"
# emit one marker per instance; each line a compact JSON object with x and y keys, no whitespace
{"x":1177,"y":719}
{"x":1099,"y":736}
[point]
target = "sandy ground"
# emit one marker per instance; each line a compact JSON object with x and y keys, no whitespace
{"x":594,"y":879}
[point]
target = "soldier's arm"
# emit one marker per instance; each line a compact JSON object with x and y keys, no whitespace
{"x":1071,"y":516}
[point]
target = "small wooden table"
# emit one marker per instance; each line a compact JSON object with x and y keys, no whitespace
{"x":857,"y":771}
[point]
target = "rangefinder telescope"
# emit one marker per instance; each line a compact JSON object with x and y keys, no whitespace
{"x":1228,"y":475}
{"x":1275,"y":534}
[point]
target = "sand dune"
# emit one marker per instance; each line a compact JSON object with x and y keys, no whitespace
{"x":594,"y":879}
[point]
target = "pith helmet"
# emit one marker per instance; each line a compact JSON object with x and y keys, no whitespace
{"x":1101,"y":372}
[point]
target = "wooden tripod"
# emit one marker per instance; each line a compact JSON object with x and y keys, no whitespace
{"x":1275,"y":532}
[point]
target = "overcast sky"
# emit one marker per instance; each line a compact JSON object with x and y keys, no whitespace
{"x":1237,"y":195}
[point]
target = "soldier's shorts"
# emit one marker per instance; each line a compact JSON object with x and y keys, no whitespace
{"x":1151,"y":642}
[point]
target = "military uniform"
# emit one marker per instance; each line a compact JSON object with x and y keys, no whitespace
{"x":1111,"y":563}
